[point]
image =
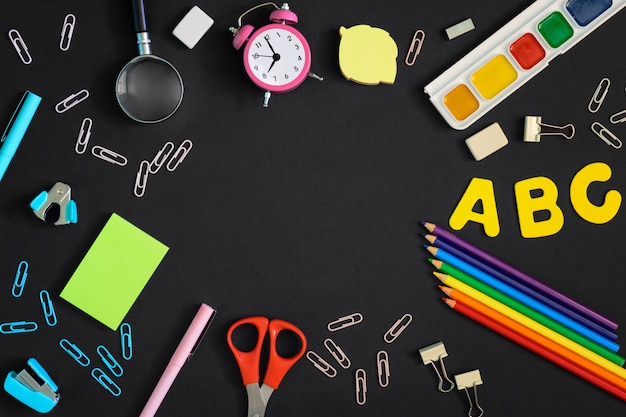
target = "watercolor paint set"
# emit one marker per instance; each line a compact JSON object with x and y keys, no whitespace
{"x":513,"y":55}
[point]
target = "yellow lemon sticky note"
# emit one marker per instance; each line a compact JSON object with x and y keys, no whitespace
{"x":367,"y":55}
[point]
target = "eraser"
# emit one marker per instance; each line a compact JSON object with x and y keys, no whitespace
{"x":193,"y":27}
{"x":487,"y":141}
{"x":460,"y":28}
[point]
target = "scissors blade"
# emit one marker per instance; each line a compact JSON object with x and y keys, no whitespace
{"x":257,"y":399}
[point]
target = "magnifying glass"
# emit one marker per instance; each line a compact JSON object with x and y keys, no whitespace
{"x":148,"y":89}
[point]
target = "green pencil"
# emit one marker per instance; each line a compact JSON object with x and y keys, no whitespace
{"x":523,"y":309}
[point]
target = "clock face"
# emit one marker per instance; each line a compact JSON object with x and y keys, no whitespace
{"x":277,"y":58}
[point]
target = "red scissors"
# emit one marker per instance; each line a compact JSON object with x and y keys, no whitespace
{"x":277,"y":366}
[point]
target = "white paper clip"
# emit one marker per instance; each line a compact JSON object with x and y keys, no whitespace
{"x":345,"y":321}
{"x":72,"y":100}
{"x":159,"y":159}
{"x":397,"y":328}
{"x":534,"y":129}
{"x":382,"y":366}
{"x":360,"y":379}
{"x":435,"y":353}
{"x":599,"y":95}
{"x":67,"y":31}
{"x":48,"y":308}
{"x":415,"y":48}
{"x":106,"y":381}
{"x":337,"y":353}
{"x":606,"y":135}
{"x":20,"y":279}
{"x":180,"y":155}
{"x":83,"y":136}
{"x":323,"y":366}
{"x":108,"y":155}
{"x":471,"y":380}
{"x":20,"y":46}
{"x":619,"y":117}
{"x":141,"y":180}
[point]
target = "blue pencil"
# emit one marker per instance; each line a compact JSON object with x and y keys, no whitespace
{"x":505,"y":278}
{"x":522,"y":298}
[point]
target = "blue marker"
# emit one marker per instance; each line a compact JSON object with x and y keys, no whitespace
{"x":448,"y":258}
{"x":16,"y":129}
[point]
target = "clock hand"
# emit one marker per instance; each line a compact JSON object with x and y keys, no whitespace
{"x":270,"y":45}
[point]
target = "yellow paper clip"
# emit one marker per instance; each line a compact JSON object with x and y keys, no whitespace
{"x":415,"y":48}
{"x":599,"y":95}
{"x":398,"y":327}
{"x":471,"y":380}
{"x":323,"y":366}
{"x":361,"y":386}
{"x":435,"y":353}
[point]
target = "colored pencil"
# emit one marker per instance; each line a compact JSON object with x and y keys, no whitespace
{"x":475,"y":298}
{"x":442,"y":233}
{"x":537,"y":295}
{"x":521,"y":297}
{"x":477,"y":290}
{"x":580,"y":367}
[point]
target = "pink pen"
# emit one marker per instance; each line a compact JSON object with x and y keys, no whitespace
{"x":183,"y":353}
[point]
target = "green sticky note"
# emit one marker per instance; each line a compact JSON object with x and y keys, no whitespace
{"x":114,"y":271}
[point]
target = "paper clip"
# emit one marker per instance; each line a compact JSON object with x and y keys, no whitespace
{"x":606,"y":135}
{"x":126,"y":338}
{"x":619,"y":117}
{"x":435,"y":353}
{"x":324,"y":367}
{"x":141,"y":180}
{"x":48,"y":308}
{"x":67,"y":31}
{"x":179,"y":155}
{"x":14,"y":327}
{"x":345,"y":321}
{"x":20,"y":46}
{"x":534,"y":129}
{"x":161,"y":156}
{"x":415,"y":48}
{"x":33,"y":387}
{"x":108,"y":155}
{"x":382,"y":366}
{"x":467,"y":380}
{"x":599,"y":95}
{"x":72,"y":100}
{"x":110,"y":361}
{"x":397,"y":328}
{"x":337,"y":353}
{"x":361,"y":386}
{"x":104,"y":380}
{"x":83,"y":136}
{"x":76,"y":354}
{"x":20,"y":279}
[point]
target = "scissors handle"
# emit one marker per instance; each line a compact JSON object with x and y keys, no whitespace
{"x":249,"y":361}
{"x":278,"y":366}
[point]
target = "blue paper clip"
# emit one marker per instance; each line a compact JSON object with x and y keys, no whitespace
{"x":48,"y":308}
{"x":33,"y":387}
{"x":127,"y":341}
{"x":74,"y":352}
{"x":20,"y":279}
{"x":13,"y":327}
{"x":110,"y":361}
{"x":104,"y":380}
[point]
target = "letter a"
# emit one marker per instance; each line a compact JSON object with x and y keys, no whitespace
{"x":479,"y":189}
{"x":604,"y":213}
{"x":527,"y":206}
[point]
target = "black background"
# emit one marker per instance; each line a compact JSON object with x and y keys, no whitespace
{"x":306,"y":211}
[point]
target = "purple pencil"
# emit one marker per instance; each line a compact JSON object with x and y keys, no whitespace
{"x":520,"y":276}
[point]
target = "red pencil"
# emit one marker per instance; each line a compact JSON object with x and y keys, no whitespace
{"x":523,"y":341}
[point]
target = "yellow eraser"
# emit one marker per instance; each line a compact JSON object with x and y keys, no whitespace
{"x":367,"y":55}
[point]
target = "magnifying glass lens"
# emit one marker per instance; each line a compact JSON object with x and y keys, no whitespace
{"x":149,"y":89}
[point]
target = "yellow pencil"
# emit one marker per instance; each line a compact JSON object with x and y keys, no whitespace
{"x":531,"y":324}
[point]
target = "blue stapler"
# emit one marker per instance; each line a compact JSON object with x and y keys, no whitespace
{"x":59,"y":195}
{"x":33,"y":387}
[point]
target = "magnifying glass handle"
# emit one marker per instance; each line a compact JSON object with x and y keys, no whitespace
{"x":139,"y":13}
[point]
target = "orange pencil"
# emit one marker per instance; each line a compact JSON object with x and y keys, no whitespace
{"x":542,"y":340}
{"x":617,"y":390}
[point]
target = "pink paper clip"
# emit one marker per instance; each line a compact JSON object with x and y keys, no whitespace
{"x":179,"y":155}
{"x":142,"y":178}
{"x":159,"y":159}
{"x":20,"y":46}
{"x":345,"y":321}
{"x":108,"y":155}
{"x":83,"y":136}
{"x":72,"y":100}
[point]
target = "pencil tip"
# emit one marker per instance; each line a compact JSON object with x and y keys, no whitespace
{"x":440,"y":276}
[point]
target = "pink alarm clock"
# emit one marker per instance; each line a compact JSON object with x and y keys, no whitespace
{"x":276,"y":57}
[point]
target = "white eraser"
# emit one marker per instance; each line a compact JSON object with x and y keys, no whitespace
{"x":460,"y":28}
{"x":487,"y":141}
{"x":193,"y":27}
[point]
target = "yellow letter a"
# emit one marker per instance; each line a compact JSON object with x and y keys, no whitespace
{"x":481,"y":190}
